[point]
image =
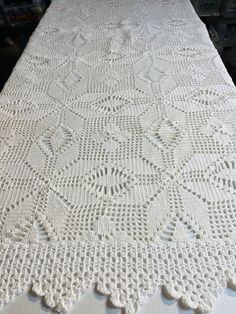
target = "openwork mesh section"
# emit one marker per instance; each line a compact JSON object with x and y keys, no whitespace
{"x":117,"y":158}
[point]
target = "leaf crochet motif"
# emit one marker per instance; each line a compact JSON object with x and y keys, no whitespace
{"x":117,"y":158}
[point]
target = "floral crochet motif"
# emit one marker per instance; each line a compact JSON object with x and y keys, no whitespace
{"x":117,"y":158}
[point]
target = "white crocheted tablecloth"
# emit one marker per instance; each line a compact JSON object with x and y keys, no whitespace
{"x":117,"y":158}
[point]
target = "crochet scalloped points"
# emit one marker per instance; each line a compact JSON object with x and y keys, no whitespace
{"x":129,"y":274}
{"x":117,"y":158}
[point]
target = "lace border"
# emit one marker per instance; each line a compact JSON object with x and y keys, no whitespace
{"x":194,"y":272}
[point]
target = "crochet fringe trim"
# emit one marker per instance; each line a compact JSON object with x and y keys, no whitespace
{"x":193,"y":272}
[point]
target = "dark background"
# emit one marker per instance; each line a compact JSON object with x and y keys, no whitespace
{"x":19,"y":18}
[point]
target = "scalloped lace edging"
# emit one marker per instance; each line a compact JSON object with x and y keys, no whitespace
{"x":193,"y":272}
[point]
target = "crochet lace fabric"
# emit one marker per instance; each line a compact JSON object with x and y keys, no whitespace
{"x":117,"y":159}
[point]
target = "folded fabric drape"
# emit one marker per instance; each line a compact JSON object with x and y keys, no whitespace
{"x":117,"y":158}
